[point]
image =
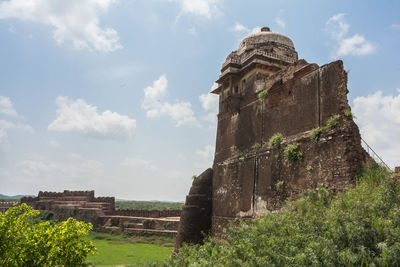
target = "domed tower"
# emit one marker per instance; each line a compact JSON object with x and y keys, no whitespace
{"x":263,"y":53}
{"x":264,"y":90}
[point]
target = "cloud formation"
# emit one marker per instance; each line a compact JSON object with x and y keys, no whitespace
{"x":355,"y":45}
{"x":6,"y":106}
{"x":140,"y":163}
{"x":378,"y":118}
{"x":77,"y":115}
{"x":180,"y":112}
{"x":75,"y":22}
{"x":203,"y":8}
{"x":210,"y":102}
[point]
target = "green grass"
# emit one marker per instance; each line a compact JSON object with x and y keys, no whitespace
{"x":128,"y":250}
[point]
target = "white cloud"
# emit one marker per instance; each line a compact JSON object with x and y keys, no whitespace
{"x":6,"y":106}
{"x":54,"y":170}
{"x":138,"y":162}
{"x":210,"y":103}
{"x":81,"y":117}
{"x":180,"y":112}
{"x":54,"y":144}
{"x":280,"y":22}
{"x":204,"y":8}
{"x":353,"y":45}
{"x":75,"y":22}
{"x":395,"y":26}
{"x":378,"y":118}
{"x":5,"y":126}
{"x":239,"y":28}
{"x":192,"y":31}
{"x":206,"y":153}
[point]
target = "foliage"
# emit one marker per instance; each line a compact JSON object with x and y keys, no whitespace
{"x":333,"y":121}
{"x":123,"y":249}
{"x":194,"y":177}
{"x":360,"y":227}
{"x":348,"y":114}
{"x":292,"y":152}
{"x":256,"y":145}
{"x":263,"y":95}
{"x":24,"y":242}
{"x":148,"y":205}
{"x":276,"y":140}
{"x":316,"y":133}
{"x":279,"y":185}
{"x":309,"y":168}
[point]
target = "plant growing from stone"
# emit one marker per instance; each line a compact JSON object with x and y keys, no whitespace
{"x":263,"y":95}
{"x":309,"y":168}
{"x":292,"y":153}
{"x":257,"y":145}
{"x":333,"y":121}
{"x":316,"y":133}
{"x":279,"y":185}
{"x":348,"y":114}
{"x":276,"y":140}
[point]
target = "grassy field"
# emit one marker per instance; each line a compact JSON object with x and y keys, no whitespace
{"x":129,"y":250}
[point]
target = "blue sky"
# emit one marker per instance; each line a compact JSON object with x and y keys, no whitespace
{"x":113,"y":95}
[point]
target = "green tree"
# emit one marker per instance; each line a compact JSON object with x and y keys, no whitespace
{"x":26,"y":242}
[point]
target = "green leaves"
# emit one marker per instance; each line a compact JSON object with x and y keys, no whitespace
{"x":25,"y":242}
{"x":359,"y":227}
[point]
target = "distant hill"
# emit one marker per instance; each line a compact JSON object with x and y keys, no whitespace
{"x":12,"y":198}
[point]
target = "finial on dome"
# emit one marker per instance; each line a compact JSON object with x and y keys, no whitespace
{"x":265,"y":29}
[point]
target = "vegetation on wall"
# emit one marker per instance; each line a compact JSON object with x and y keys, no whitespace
{"x":316,"y":133}
{"x":263,"y":95}
{"x":292,"y":153}
{"x":276,"y":140}
{"x":360,"y":227}
{"x":333,"y":121}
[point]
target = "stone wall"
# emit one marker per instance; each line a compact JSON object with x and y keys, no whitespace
{"x":4,"y":206}
{"x":196,"y":214}
{"x":148,"y":213}
{"x":249,"y":177}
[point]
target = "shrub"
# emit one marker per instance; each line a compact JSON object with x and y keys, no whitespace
{"x":279,"y":185}
{"x":316,"y":133}
{"x":292,"y":152}
{"x":24,"y":242}
{"x":333,"y":121}
{"x":276,"y":140}
{"x":263,"y":95}
{"x":348,"y":113}
{"x":309,"y":168}
{"x":357,"y":228}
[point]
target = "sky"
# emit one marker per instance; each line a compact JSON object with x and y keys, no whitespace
{"x":113,"y":95}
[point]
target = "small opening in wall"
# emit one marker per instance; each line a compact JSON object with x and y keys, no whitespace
{"x":236,"y":89}
{"x":243,"y":84}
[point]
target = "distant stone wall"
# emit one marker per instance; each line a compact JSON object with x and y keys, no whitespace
{"x":147,"y":213}
{"x":4,"y":206}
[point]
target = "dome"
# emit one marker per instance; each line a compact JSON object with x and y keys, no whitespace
{"x":265,"y":36}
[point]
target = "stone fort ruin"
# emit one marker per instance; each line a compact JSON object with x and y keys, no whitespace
{"x":101,"y":212}
{"x":264,"y":89}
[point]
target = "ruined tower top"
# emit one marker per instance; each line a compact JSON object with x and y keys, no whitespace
{"x":270,"y":49}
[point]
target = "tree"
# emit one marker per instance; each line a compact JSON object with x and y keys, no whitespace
{"x":26,"y":242}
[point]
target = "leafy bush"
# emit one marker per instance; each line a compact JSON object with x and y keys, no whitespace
{"x":292,"y":152}
{"x":276,"y":140}
{"x":24,"y":242}
{"x":316,"y":133}
{"x":357,"y":228}
{"x":279,"y":185}
{"x":348,"y":113}
{"x":333,"y":121}
{"x":263,"y":95}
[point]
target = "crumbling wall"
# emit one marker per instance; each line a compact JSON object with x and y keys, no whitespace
{"x":148,"y":213}
{"x":196,"y":214}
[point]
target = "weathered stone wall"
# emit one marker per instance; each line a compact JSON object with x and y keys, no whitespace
{"x":4,"y":206}
{"x":196,"y":214}
{"x":148,"y":213}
